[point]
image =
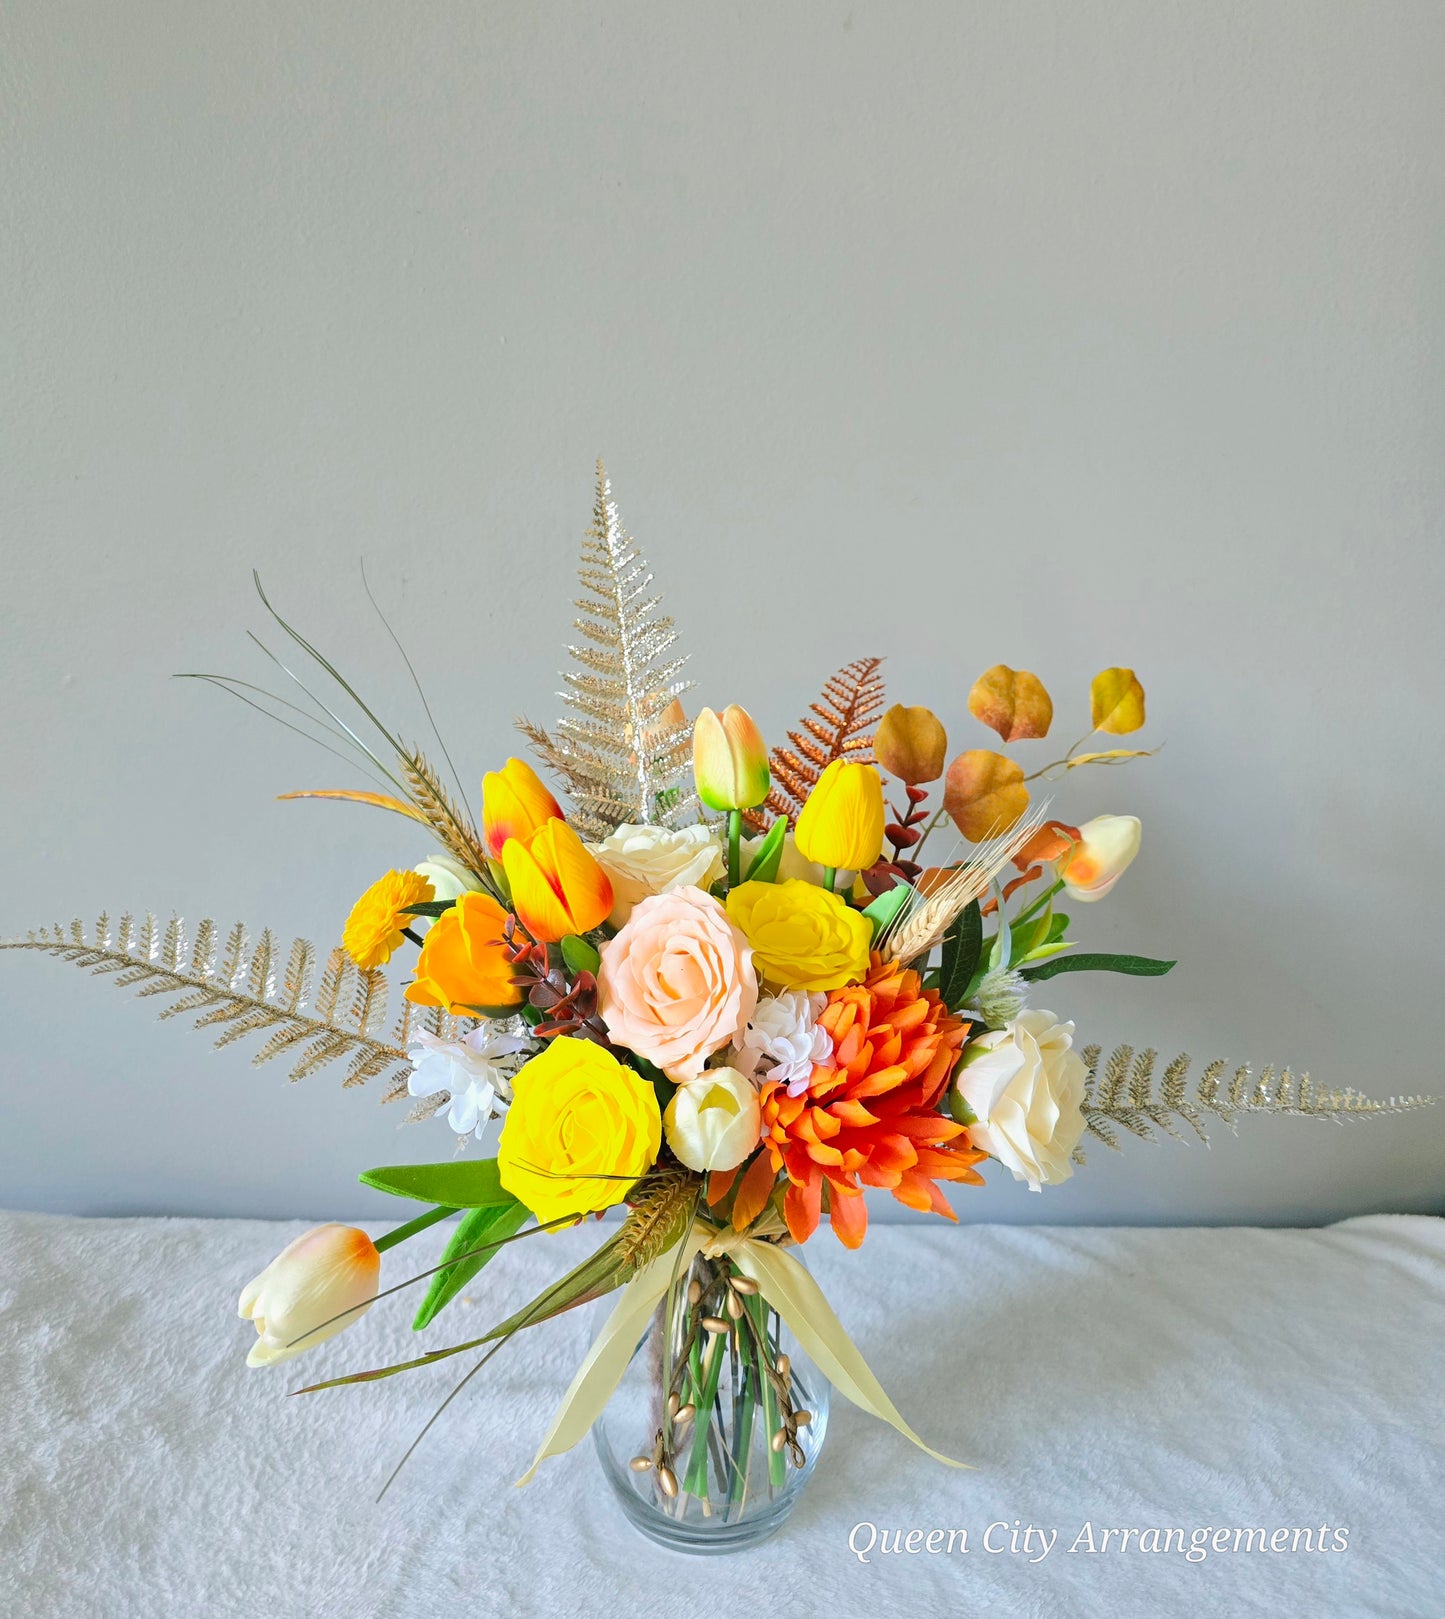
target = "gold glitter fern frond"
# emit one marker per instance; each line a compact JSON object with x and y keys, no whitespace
{"x":243,"y":987}
{"x":835,"y":727}
{"x":1126,"y":1095}
{"x":620,"y":754}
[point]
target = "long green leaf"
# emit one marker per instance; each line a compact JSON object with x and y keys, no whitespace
{"x":464,"y":1183}
{"x":763,"y":867}
{"x":886,"y":907}
{"x":599,"y":1273}
{"x":1135,"y":966}
{"x":961,"y":946}
{"x":475,"y":1229}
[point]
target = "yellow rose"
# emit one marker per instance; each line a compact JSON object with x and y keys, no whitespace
{"x":802,"y":937}
{"x":580,"y":1130}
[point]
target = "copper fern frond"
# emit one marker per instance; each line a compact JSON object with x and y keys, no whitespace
{"x":247,"y":988}
{"x":621,"y":753}
{"x":1127,"y":1095}
{"x":835,"y":727}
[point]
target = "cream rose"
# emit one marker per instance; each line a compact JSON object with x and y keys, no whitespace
{"x":715,"y":1122}
{"x":646,"y":860}
{"x":677,"y":982}
{"x":1024,"y":1087}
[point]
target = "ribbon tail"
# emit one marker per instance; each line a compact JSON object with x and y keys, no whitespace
{"x":602,"y":1368}
{"x":796,"y":1297}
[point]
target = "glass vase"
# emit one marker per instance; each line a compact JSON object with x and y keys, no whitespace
{"x":716,"y":1425}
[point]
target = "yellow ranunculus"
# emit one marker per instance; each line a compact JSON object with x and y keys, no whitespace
{"x":802,"y":937}
{"x":580,"y":1130}
{"x":841,"y":825}
{"x":373,"y":933}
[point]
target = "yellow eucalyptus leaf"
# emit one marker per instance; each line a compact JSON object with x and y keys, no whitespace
{"x":984,"y":792}
{"x":1118,"y":701}
{"x":1012,"y":702}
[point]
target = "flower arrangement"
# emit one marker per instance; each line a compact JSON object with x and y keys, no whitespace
{"x":723,"y":992}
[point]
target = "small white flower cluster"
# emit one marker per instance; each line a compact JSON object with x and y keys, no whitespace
{"x":783,"y":1041}
{"x":477,"y":1070}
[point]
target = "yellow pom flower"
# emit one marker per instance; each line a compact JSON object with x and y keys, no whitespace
{"x":372,"y":934}
{"x":802,"y":936}
{"x":841,"y":825}
{"x":577,"y":1116}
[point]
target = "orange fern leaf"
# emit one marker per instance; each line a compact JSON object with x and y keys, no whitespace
{"x":837,"y":726}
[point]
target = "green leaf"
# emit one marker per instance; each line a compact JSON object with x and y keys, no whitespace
{"x":763,"y":867}
{"x":887,"y":906}
{"x":429,"y":907}
{"x":1135,"y":966}
{"x":463,"y":1183}
{"x":1036,"y":936}
{"x":476,"y":1227}
{"x":580,"y":956}
{"x":1002,"y":941}
{"x":962,"y":945}
{"x":599,"y":1273}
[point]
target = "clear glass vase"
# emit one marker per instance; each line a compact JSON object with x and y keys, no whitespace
{"x":717,"y":1423}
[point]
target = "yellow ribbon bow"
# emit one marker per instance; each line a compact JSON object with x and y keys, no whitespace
{"x":782,"y":1283}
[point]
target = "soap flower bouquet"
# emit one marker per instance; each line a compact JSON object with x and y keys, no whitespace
{"x":724,"y":993}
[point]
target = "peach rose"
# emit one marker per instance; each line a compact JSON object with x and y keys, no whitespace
{"x":677,"y":982}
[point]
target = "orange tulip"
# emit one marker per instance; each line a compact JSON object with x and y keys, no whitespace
{"x":515,"y":804}
{"x":557,"y":886}
{"x":463,"y":964}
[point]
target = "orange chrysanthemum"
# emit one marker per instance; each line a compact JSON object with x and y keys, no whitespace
{"x":871,"y":1118}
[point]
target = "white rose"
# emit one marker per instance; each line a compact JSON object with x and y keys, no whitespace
{"x":1025,"y":1087}
{"x":449,"y":878}
{"x":644,"y":860}
{"x":714,"y":1121}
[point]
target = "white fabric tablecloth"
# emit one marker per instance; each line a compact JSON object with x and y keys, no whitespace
{"x":1119,"y":1378}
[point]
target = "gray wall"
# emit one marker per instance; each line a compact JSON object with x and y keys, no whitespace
{"x":1064,"y":334}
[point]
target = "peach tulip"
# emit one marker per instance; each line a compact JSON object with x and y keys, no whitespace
{"x":327,"y":1270}
{"x":1096,"y":861}
{"x":729,"y":759}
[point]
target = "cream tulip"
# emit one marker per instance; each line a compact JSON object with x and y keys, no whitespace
{"x":714,"y":1121}
{"x":1105,"y":848}
{"x":327,"y":1270}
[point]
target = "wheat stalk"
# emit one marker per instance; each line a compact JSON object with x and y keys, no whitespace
{"x":662,"y":1204}
{"x":924,"y":919}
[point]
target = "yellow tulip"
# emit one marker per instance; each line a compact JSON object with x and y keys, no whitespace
{"x":557,"y":885}
{"x":729,"y":759}
{"x":515,"y":804}
{"x":841,"y":825}
{"x":327,"y":1270}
